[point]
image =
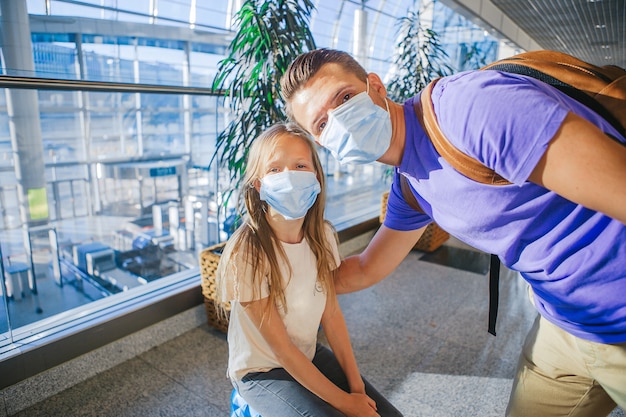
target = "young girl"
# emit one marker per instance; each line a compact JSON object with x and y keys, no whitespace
{"x":277,"y":271}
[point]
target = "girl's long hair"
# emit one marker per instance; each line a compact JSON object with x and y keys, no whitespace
{"x":254,"y":242}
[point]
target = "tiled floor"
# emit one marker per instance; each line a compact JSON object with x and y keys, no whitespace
{"x":419,"y":336}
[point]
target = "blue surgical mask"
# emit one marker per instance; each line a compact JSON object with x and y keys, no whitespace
{"x":291,"y":193}
{"x":358,"y":131}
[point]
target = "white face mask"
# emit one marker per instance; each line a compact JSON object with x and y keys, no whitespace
{"x":291,"y":193}
{"x":358,"y":131}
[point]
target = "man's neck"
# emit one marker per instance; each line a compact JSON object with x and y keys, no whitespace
{"x":394,"y":154}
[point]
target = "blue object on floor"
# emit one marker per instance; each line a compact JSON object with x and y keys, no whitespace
{"x":239,"y":407}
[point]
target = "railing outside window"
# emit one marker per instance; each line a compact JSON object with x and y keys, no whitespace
{"x":103,"y":197}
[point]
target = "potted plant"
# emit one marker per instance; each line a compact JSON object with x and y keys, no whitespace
{"x":270,"y":34}
{"x":419,"y":58}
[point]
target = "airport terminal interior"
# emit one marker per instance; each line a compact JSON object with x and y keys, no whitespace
{"x":113,"y":182}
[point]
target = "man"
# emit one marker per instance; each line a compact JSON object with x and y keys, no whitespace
{"x":560,"y":223}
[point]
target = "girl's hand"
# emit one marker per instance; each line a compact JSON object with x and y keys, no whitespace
{"x":357,"y":387}
{"x":360,"y":405}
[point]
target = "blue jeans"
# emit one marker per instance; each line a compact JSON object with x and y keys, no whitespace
{"x":276,"y":394}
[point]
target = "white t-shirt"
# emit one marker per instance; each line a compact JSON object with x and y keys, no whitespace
{"x":248,"y":350}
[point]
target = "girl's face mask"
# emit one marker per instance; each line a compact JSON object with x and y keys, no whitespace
{"x":358,"y":131}
{"x":290,"y":193}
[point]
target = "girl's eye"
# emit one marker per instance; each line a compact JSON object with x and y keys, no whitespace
{"x":301,"y":166}
{"x":345,"y":98}
{"x":321,"y":127}
{"x":272,"y":170}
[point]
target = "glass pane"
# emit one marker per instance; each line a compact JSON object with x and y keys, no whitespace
{"x":55,"y":56}
{"x":175,"y":10}
{"x":130,"y":186}
{"x":120,"y":211}
{"x":163,"y":124}
{"x":212,"y":14}
{"x":161,"y":64}
{"x":203,"y":68}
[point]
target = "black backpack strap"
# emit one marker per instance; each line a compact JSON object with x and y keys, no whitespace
{"x":494,"y":292}
{"x":472,"y":169}
{"x":494,"y":262}
{"x":573,"y":92}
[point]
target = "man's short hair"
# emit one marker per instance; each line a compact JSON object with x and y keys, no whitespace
{"x":306,"y":65}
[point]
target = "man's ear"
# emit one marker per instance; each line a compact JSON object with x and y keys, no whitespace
{"x":377,"y":84}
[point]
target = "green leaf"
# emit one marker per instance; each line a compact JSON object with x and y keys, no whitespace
{"x":270,"y":34}
{"x":419,"y":57}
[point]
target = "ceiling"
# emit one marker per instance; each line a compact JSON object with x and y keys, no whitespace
{"x":592,"y":30}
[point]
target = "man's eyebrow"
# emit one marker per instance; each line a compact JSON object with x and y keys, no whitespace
{"x":325,"y":105}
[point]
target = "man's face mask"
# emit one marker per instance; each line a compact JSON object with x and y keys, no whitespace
{"x":291,"y":193}
{"x":358,"y":131}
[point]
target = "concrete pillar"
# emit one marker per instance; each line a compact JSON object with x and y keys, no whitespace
{"x":427,"y":14}
{"x":23,"y":110}
{"x":187,"y":101}
{"x":138,"y":111}
{"x":233,"y":8}
{"x":154,"y":11}
{"x":359,"y":38}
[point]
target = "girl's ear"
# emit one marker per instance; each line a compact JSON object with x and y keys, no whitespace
{"x":257,"y":185}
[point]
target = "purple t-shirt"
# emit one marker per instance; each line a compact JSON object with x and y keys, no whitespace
{"x":574,"y":258}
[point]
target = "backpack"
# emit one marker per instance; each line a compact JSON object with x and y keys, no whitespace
{"x":603,"y":89}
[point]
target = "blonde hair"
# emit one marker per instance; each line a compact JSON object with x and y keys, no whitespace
{"x":254,"y":243}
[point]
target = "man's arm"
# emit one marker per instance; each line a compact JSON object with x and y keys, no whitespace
{"x":585,"y":166}
{"x":383,"y":254}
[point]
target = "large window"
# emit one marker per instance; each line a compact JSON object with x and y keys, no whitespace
{"x":129,"y":197}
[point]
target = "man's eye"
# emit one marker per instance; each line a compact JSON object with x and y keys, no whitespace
{"x":346,"y":98}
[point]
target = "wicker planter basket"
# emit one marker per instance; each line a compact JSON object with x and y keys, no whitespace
{"x":209,"y":258}
{"x":433,"y":237}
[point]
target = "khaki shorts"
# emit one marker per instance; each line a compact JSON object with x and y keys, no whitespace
{"x":562,"y":375}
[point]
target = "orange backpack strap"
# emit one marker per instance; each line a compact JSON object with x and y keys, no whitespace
{"x":602,"y":89}
{"x":463,"y":163}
